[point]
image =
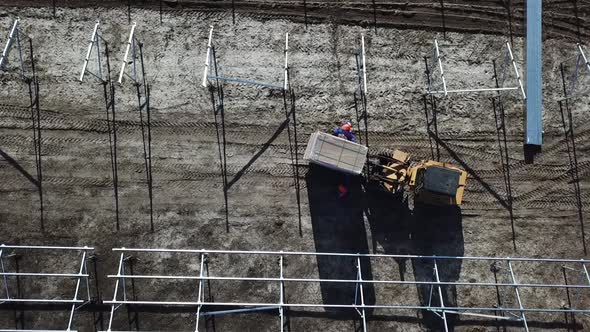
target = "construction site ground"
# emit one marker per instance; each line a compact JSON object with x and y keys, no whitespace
{"x":263,"y":210}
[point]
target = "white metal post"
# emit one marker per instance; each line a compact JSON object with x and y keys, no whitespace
{"x":120,"y":81}
{"x":80,"y":273}
{"x":362,"y":295}
{"x":364,"y":64}
{"x":523,"y":316}
{"x":113,"y":308}
{"x":581,"y":50}
{"x":9,"y":42}
{"x":282,"y":294}
{"x":207,"y":59}
{"x":586,"y":272}
{"x":440,"y":296}
{"x":4,"y":276}
{"x":516,"y":70}
{"x":442,"y":73}
{"x":286,"y":85}
{"x":200,"y":293}
{"x":90,"y":46}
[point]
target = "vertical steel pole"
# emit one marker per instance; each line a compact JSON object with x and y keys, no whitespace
{"x":4,"y":276}
{"x":9,"y":42}
{"x":97,"y":40}
{"x":200,"y":293}
{"x":92,"y":42}
{"x":113,"y":308}
{"x":516,"y":71}
{"x":586,"y":273}
{"x":85,"y":271}
{"x":128,"y":47}
{"x":364,"y":64}
{"x":282,"y":294}
{"x":442,"y":73}
{"x":207,"y":59}
{"x":581,"y":50}
{"x":286,"y":79}
{"x":523,"y":316}
{"x":440,"y":296}
{"x":81,"y":270}
{"x":362,"y":295}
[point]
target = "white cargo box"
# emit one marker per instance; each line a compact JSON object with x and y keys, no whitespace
{"x":336,"y":153}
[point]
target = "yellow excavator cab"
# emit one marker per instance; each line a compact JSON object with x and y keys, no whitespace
{"x":437,"y":183}
{"x":432,"y":182}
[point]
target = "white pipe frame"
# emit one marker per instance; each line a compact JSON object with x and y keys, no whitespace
{"x":8,"y":45}
{"x":81,"y":275}
{"x":360,"y":289}
{"x":130,"y":42}
{"x":208,"y":58}
{"x":522,"y":314}
{"x":281,"y":294}
{"x":358,"y":281}
{"x":114,"y":307}
{"x":200,"y":294}
{"x":516,"y":71}
{"x":440,"y":297}
{"x":94,"y":41}
{"x":364,"y":64}
{"x":286,"y":79}
{"x":445,"y":91}
{"x":442,"y":73}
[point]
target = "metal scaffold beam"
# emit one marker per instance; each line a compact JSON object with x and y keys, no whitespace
{"x":12,"y":282}
{"x":213,"y":81}
{"x":443,"y":309}
{"x":134,"y":49}
{"x":29,"y":76}
{"x":103,"y":75}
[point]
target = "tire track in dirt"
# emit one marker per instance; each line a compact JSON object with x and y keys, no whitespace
{"x":460,"y":16}
{"x":380,"y":140}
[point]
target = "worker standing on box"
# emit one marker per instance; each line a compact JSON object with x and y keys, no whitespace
{"x":345,"y":130}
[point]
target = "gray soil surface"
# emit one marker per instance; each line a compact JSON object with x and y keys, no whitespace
{"x":263,"y":213}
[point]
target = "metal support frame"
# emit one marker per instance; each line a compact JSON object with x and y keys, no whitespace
{"x":435,"y":71}
{"x":517,"y":292}
{"x":437,"y":92}
{"x":440,"y":296}
{"x":360,"y":93}
{"x":500,"y":119}
{"x":437,"y":283}
{"x":214,"y":81}
{"x":571,"y":92}
{"x":359,"y":294}
{"x":29,"y":76}
{"x":103,"y":75}
{"x":138,"y":77}
{"x":66,"y":304}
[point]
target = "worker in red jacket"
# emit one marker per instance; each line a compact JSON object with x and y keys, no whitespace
{"x":345,"y":130}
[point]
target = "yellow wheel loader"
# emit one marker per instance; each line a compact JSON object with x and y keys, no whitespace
{"x":430,"y":181}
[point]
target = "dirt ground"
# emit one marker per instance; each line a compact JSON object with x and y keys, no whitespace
{"x":263,"y":212}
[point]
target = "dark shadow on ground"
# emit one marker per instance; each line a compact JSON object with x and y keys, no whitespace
{"x":390,"y":220}
{"x":19,"y":168}
{"x":437,"y":231}
{"x":427,"y":231}
{"x":338,"y":226}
